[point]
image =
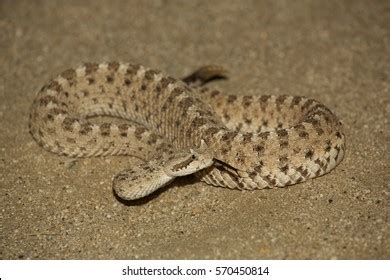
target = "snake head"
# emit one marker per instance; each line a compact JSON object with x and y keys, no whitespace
{"x":186,"y":163}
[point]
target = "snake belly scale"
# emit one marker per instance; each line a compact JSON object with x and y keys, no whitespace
{"x":180,"y":127}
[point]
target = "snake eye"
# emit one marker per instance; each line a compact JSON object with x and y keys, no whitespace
{"x":193,"y":157}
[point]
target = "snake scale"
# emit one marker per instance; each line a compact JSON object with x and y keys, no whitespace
{"x":180,"y":127}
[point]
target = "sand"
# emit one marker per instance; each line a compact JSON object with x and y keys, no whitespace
{"x":336,"y":51}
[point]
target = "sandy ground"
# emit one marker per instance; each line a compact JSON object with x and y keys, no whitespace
{"x":334,"y":51}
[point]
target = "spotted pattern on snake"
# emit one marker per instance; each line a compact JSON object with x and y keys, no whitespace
{"x":240,"y":142}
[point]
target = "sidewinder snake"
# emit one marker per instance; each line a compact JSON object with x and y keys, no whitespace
{"x":180,"y":127}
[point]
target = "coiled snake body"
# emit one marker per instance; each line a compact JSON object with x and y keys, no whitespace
{"x":180,"y":128}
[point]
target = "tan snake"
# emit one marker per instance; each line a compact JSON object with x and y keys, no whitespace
{"x":180,"y":128}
